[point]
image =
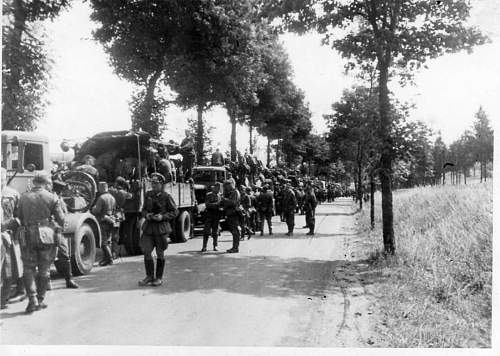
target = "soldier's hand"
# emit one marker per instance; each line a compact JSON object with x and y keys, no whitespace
{"x":158,"y":217}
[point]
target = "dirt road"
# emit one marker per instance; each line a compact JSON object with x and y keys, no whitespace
{"x":278,"y":291}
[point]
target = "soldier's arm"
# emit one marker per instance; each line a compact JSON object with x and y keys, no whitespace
{"x":58,"y":212}
{"x":172,"y":210}
{"x":98,"y":207}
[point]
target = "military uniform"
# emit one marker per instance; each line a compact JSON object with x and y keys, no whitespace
{"x":104,"y":209}
{"x":37,"y":211}
{"x":310,"y":204}
{"x":11,"y":264}
{"x":264,"y":202}
{"x":159,"y":209}
{"x":231,"y":204}
{"x":121,"y":196}
{"x":188,"y":156}
{"x":212,"y":217}
{"x":289,"y":206}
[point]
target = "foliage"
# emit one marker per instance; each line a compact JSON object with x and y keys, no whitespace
{"x":25,"y":65}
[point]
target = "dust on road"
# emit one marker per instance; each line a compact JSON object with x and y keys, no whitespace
{"x":278,"y":291}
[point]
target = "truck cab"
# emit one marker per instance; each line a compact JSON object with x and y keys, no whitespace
{"x":24,"y":153}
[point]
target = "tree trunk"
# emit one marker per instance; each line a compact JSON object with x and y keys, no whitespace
{"x":144,"y":121}
{"x":465,"y":176}
{"x":13,"y":81}
{"x":372,"y":201}
{"x":360,"y":187}
{"x":199,"y":135}
{"x":386,"y":157}
{"x":278,"y":152}
{"x":250,"y":146}
{"x":233,"y":137}
{"x":268,"y":152}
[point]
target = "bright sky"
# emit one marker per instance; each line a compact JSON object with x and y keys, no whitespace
{"x":86,"y":97}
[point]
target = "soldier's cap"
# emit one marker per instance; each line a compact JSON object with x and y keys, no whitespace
{"x":102,"y":187}
{"x":41,"y":177}
{"x":157,"y":178}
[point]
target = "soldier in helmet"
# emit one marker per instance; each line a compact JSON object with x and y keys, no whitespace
{"x":159,"y":210}
{"x":105,"y":209}
{"x":212,"y":216}
{"x":289,"y":206}
{"x":231,"y":204}
{"x":42,"y":217}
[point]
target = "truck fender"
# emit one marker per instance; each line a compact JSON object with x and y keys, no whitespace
{"x":74,"y":220}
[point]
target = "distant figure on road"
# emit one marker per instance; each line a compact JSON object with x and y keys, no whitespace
{"x":159,"y":210}
{"x":264,"y":205}
{"x":188,"y":155}
{"x":212,"y":216}
{"x":289,"y":206}
{"x":217,"y":158}
{"x":231,"y":204}
{"x":310,"y":204}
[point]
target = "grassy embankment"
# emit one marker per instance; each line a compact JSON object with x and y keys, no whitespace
{"x":436,"y":290}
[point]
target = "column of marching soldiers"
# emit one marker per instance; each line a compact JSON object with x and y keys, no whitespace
{"x":32,"y":225}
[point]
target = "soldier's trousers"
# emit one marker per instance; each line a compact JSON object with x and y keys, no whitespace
{"x":37,"y":259}
{"x":310,"y":219}
{"x":266,"y":215}
{"x":211,"y":228}
{"x":290,"y":219}
{"x":233,"y":222}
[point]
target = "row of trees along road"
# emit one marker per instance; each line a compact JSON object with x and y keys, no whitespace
{"x":227,"y":53}
{"x":399,"y":36}
{"x":208,"y":53}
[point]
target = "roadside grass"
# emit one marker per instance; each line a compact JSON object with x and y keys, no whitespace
{"x":437,"y":287}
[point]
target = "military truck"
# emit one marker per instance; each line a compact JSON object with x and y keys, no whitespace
{"x":132,"y":155}
{"x":25,"y":153}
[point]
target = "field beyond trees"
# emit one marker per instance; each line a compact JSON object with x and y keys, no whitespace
{"x":436,"y":290}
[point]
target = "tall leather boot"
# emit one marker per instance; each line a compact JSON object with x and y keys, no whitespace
{"x":67,"y":275}
{"x":160,"y":266}
{"x":205,"y":242}
{"x":311,"y":229}
{"x":215,"y":242}
{"x":149,"y":266}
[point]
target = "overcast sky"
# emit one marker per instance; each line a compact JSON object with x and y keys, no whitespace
{"x":86,"y":97}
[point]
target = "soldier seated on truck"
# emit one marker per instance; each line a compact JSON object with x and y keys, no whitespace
{"x":88,"y":167}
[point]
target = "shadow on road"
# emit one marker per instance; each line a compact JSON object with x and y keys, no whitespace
{"x":261,"y":276}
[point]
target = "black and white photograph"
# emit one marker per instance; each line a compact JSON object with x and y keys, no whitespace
{"x":264,"y":177}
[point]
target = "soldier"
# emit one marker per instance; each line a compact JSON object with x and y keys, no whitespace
{"x":164,"y":165}
{"x":104,"y":209}
{"x":159,"y":209}
{"x":121,"y":194}
{"x":231,"y":179}
{"x":188,"y":155}
{"x":37,"y":211}
{"x":289,"y":206}
{"x":252,"y":212}
{"x":310,"y":204}
{"x":264,"y":204}
{"x":246,"y":204}
{"x":63,"y":253}
{"x":212,"y":216}
{"x":217,"y":158}
{"x":231,"y":204}
{"x":89,"y":166}
{"x":11,"y":264}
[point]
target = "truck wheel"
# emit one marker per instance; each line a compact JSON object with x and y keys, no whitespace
{"x":183,"y":227}
{"x":83,"y":250}
{"x":131,"y":236}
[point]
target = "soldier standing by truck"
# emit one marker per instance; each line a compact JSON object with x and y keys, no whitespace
{"x":121,"y":194}
{"x":42,"y":219}
{"x":289,"y":206}
{"x":264,"y":203}
{"x":11,"y":264}
{"x":188,"y":155}
{"x":159,"y":209}
{"x":231,"y":204}
{"x":104,"y":209}
{"x":212,"y":216}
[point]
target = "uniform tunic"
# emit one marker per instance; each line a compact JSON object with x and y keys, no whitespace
{"x":231,"y":203}
{"x":105,"y":208}
{"x":289,"y":206}
{"x":155,"y":233}
{"x":212,"y":215}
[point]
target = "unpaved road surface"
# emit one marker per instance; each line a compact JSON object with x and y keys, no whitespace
{"x":278,"y":291}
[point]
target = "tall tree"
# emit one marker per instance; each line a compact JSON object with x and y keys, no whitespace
{"x":25,"y":63}
{"x":399,"y":35}
{"x":483,"y":140}
{"x":439,"y":152}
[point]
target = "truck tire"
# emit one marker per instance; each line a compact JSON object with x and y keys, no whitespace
{"x":83,"y":250}
{"x":130,"y":232}
{"x":182,"y":227}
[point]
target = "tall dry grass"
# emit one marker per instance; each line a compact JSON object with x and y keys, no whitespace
{"x":437,"y":291}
